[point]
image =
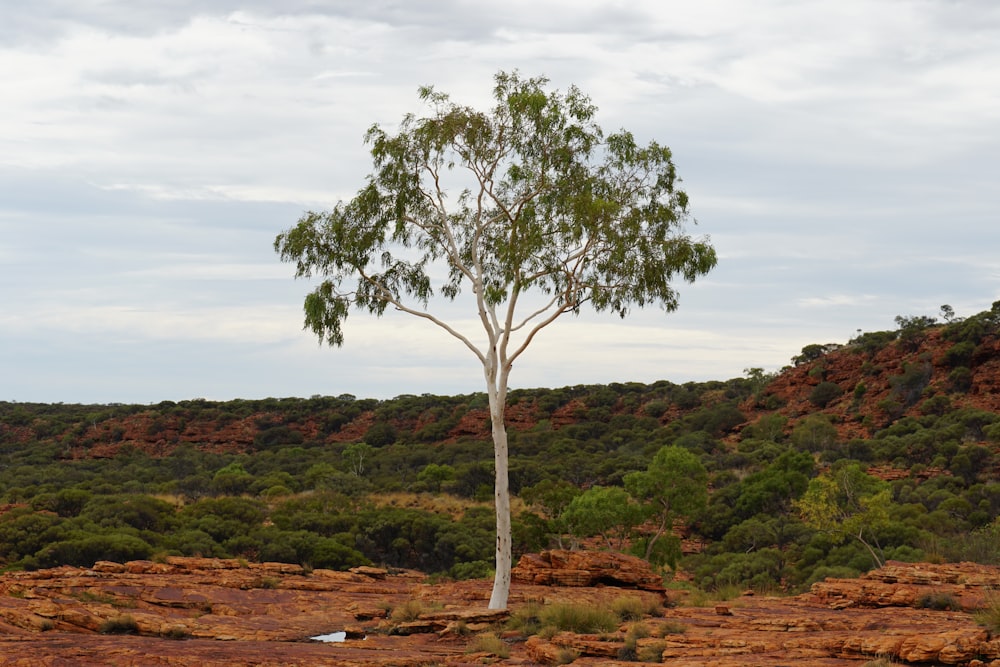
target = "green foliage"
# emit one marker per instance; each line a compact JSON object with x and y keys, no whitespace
{"x":960,"y":379}
{"x":539,"y":157}
{"x":815,"y":433}
{"x":825,"y":393}
{"x":959,"y":354}
{"x":912,"y":329}
{"x":872,"y":342}
{"x":674,"y":486}
{"x":848,"y":503}
{"x":604,"y":511}
{"x":813,"y":352}
{"x":133,"y":505}
{"x":908,"y":385}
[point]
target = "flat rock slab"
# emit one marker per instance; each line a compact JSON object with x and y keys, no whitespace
{"x":207,"y":613}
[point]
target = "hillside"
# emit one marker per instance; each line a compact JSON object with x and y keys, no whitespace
{"x":341,"y":481}
{"x":847,"y":481}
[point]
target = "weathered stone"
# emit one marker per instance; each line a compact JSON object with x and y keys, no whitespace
{"x":586,"y":568}
{"x":55,"y":618}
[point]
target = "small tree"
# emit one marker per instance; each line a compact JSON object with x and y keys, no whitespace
{"x":674,"y":486}
{"x":606,"y":511}
{"x":529,"y":209}
{"x":848,"y":504}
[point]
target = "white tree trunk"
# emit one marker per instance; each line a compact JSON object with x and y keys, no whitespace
{"x":501,"y":582}
{"x":496,"y":373}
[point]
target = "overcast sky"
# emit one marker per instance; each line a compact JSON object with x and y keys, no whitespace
{"x":842,"y":156}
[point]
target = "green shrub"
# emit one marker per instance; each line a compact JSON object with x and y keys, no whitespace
{"x":825,"y":393}
{"x":938,"y":601}
{"x":960,"y":379}
{"x":959,"y":354}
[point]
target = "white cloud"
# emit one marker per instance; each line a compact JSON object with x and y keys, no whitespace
{"x":841,"y":156}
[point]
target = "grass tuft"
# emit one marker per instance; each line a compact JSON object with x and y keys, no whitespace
{"x":408,"y":611}
{"x":578,"y":618}
{"x":489,"y":643}
{"x":989,"y":615}
{"x":119,"y":625}
{"x":651,"y":652}
{"x":633,"y":608}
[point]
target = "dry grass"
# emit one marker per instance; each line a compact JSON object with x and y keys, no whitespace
{"x":633,"y":608}
{"x":489,"y":643}
{"x":989,"y":615}
{"x":579,"y":618}
{"x":410,"y":610}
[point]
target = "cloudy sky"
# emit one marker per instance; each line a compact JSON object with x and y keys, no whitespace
{"x":841,"y":155}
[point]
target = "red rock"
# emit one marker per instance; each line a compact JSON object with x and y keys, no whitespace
{"x":55,"y":616}
{"x":586,"y":568}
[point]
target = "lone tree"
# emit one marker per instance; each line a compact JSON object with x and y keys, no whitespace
{"x":528,"y":208}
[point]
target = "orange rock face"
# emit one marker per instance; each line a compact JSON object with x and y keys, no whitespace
{"x":210,"y":613}
{"x":586,"y":568}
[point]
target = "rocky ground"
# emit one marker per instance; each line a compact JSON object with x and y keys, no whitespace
{"x":207,"y":613}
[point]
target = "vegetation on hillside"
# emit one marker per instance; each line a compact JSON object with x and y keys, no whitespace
{"x":887,"y":447}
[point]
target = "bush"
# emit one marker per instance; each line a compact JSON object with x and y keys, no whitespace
{"x":959,"y":354}
{"x":825,"y":393}
{"x":119,"y":625}
{"x":960,"y":380}
{"x":938,"y":601}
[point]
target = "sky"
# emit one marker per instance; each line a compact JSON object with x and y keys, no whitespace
{"x":841,"y":156}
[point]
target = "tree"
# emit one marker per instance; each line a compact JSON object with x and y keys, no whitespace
{"x":848,"y":503}
{"x":603,"y":510}
{"x":675,"y":485}
{"x":528,"y":210}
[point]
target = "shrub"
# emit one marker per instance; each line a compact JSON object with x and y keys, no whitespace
{"x":938,"y":601}
{"x":959,"y":354}
{"x":873,"y":341}
{"x":123,"y":624}
{"x":908,"y":385}
{"x":960,"y":379}
{"x":655,"y":409}
{"x":825,"y":393}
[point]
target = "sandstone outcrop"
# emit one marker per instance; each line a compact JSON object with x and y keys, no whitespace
{"x":209,"y":613}
{"x":586,"y":568}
